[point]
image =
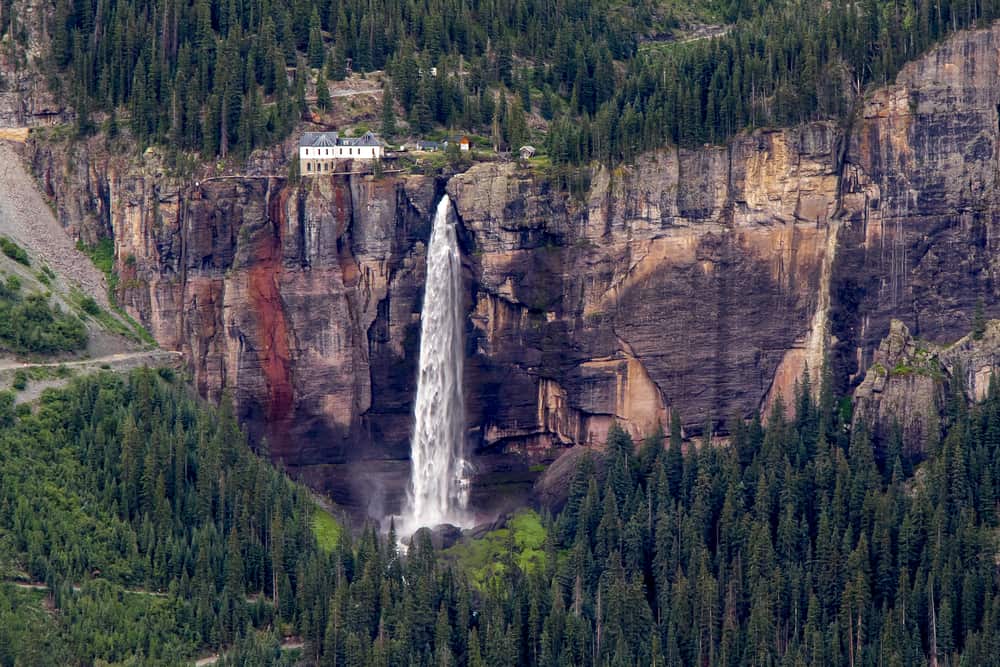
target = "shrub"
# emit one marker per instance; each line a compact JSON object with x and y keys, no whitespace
{"x":14,"y":251}
{"x":20,"y":380}
{"x":6,"y":408}
{"x":90,"y":306}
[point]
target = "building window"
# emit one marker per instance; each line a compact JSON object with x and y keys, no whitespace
{"x":309,"y":167}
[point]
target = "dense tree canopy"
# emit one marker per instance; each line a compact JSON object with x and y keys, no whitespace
{"x":225,"y":75}
{"x":798,"y":543}
{"x":132,"y":484}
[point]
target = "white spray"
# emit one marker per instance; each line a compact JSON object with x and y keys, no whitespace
{"x":439,"y":486}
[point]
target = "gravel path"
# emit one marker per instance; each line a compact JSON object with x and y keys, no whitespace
{"x":26,"y":218}
{"x":120,"y":363}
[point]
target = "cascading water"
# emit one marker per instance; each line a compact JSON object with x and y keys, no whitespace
{"x":439,"y":485}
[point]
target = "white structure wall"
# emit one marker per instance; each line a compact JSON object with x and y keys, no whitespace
{"x":341,"y":153}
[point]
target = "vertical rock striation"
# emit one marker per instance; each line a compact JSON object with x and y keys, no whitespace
{"x":705,"y":280}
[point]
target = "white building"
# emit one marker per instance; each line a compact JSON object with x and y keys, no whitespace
{"x":318,"y":151}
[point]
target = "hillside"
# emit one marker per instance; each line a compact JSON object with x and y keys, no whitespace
{"x":165,"y":537}
{"x":771,"y":228}
{"x":155,"y":532}
{"x":55,"y":300}
{"x":601,"y":81}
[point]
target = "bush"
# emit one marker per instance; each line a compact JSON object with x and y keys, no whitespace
{"x":14,"y":251}
{"x":90,"y":306}
{"x":20,"y":380}
{"x":12,"y":287}
{"x":6,"y":408}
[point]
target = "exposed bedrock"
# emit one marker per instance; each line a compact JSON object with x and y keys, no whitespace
{"x":702,"y":280}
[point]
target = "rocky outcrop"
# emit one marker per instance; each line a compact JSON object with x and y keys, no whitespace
{"x":903,"y":391}
{"x":705,"y":281}
{"x":906,"y":389}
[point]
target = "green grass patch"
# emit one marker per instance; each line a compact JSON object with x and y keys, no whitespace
{"x":60,"y":372}
{"x":102,"y":254}
{"x":902,"y":369}
{"x":483,"y":558}
{"x":326,"y":529}
{"x":122,"y":325}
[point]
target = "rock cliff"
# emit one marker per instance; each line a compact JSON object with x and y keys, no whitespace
{"x":907,"y":389}
{"x":25,"y":96}
{"x":705,"y":281}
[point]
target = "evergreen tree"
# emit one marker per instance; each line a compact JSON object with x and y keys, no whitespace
{"x":388,"y":126}
{"x":323,"y":100}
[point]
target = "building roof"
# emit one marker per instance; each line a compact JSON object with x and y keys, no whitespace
{"x":366,"y":139}
{"x":326,"y":139}
{"x":330,"y":139}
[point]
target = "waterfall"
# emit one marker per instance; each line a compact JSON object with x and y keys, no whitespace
{"x":439,"y":486}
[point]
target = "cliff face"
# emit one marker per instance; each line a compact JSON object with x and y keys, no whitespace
{"x":690,"y":280}
{"x":25,"y":98}
{"x":705,"y":281}
{"x":300,"y":301}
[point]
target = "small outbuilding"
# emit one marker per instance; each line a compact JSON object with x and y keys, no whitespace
{"x":527,"y":152}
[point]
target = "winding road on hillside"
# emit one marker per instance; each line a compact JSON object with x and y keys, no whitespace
{"x":118,"y":362}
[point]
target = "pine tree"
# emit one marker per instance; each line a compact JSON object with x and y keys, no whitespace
{"x":388,"y":126}
{"x":317,"y":54}
{"x":323,"y":100}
